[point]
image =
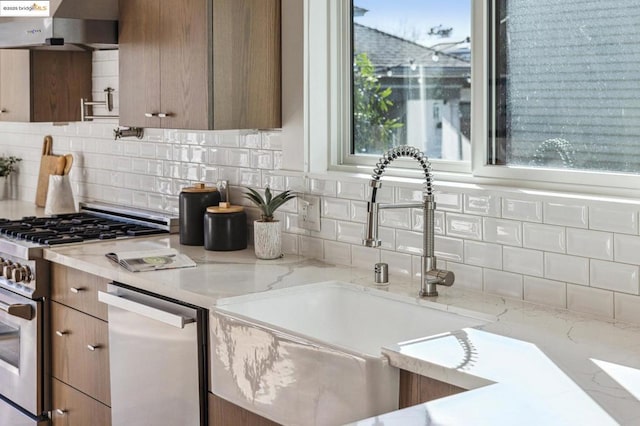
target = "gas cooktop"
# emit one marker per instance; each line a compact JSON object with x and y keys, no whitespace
{"x":96,"y":221}
{"x":71,"y":228}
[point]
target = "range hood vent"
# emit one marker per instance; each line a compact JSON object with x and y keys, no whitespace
{"x":73,"y":25}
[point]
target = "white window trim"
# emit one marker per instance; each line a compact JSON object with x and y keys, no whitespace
{"x":327,"y":116}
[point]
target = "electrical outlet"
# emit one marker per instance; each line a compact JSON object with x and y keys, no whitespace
{"x":309,"y":212}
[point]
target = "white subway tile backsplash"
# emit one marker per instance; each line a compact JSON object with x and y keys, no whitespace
{"x":523,"y":261}
{"x":469,"y":277}
{"x":323,"y":187}
{"x":623,"y":219}
{"x":337,"y":253}
{"x":289,"y":243}
{"x":448,"y":201}
{"x":139,"y":165}
{"x":155,"y":167}
{"x":238,"y":158}
{"x":164,"y":151}
{"x":626,"y":248}
{"x":272,"y":140}
{"x":396,"y":218}
{"x":502,"y":231}
{"x":627,"y":308}
{"x":388,"y":238}
{"x":147,"y":150}
{"x":253,"y":141}
{"x":230,"y":174}
{"x":359,"y":211}
{"x":545,"y":292}
{"x":311,"y":247}
{"x":364,"y":257}
{"x":399,"y":263}
{"x":544,"y":237}
{"x":190,"y":171}
{"x":273,"y":181}
{"x":328,"y":229}
{"x":503,"y":283}
{"x":594,"y":244}
{"x":353,"y":191}
{"x":590,"y":300}
{"x":336,"y":208}
{"x":463,"y":226}
{"x":262,"y":159}
{"x":571,"y":269}
{"x":349,"y":232}
{"x":249,"y":177}
{"x":406,"y":195}
{"x":291,"y":224}
{"x":527,"y":210}
{"x":483,"y":254}
{"x":615,"y":276}
{"x":449,"y":248}
{"x":384,"y":194}
{"x":277,"y":160}
{"x":486,"y":205}
{"x":566,"y":214}
{"x":208,"y":174}
{"x":409,"y":242}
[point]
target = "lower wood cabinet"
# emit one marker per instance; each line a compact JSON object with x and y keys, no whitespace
{"x":80,"y":351}
{"x":416,"y":389}
{"x":224,"y":413}
{"x":73,"y":408}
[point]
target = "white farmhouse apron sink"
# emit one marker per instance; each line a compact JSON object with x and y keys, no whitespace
{"x":310,"y":355}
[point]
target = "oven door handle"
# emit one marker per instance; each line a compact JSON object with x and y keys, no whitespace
{"x":18,"y":310}
{"x":151,"y":312}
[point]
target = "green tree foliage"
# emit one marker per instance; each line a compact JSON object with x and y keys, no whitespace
{"x":373,"y":130}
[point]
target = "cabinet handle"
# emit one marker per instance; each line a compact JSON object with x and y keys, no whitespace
{"x":93,"y":347}
{"x":150,"y":114}
{"x":2,"y":110}
{"x":76,"y":290}
{"x":164,"y":114}
{"x":61,"y":412}
{"x":61,"y":333}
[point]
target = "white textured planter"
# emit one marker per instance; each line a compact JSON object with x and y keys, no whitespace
{"x":267,"y":239}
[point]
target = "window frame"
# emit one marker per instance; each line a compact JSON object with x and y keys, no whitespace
{"x":328,"y":73}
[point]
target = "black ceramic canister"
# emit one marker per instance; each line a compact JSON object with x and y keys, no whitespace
{"x":193,"y":204}
{"x":225,"y":228}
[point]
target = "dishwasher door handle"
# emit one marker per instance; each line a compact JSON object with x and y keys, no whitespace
{"x":151,"y":312}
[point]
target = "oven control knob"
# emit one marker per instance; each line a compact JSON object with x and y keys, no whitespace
{"x":19,"y":274}
{"x":7,"y":268}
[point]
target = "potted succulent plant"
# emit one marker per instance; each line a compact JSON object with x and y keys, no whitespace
{"x":7,"y":167}
{"x":267,"y":234}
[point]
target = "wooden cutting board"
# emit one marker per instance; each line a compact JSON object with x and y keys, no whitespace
{"x":49,"y":165}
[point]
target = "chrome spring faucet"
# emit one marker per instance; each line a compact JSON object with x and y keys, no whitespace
{"x":430,"y":275}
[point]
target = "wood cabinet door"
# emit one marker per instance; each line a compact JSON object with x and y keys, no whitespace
{"x":78,"y":289}
{"x":15,"y":92}
{"x":139,"y":63}
{"x":184,"y":64}
{"x":73,"y":408}
{"x":59,"y":79}
{"x":246,"y":64}
{"x":80,"y":352}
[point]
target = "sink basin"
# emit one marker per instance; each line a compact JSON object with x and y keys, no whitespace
{"x":311,"y":354}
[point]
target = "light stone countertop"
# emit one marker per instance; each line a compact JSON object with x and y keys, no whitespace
{"x":533,"y":365}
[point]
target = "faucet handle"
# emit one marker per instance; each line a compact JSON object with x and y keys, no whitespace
{"x":442,"y":277}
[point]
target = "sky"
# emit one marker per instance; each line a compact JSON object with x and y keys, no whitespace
{"x":413,"y":19}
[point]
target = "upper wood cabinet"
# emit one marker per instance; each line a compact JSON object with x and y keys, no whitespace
{"x":200,"y":64}
{"x":43,"y":85}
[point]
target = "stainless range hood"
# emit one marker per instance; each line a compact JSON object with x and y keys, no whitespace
{"x":73,"y":24}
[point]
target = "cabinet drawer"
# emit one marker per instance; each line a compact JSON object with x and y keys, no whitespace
{"x":80,"y":351}
{"x":73,"y":408}
{"x":78,"y":290}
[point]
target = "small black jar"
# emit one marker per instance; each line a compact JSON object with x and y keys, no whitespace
{"x":225,"y":228}
{"x":193,"y":204}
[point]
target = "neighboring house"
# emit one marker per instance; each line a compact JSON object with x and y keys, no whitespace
{"x":430,"y":91}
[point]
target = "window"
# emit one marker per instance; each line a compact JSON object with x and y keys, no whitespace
{"x":566,"y":87}
{"x":411,"y":77}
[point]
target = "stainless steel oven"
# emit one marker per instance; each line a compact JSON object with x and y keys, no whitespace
{"x":22,"y":363}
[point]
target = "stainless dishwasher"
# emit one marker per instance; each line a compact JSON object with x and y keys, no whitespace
{"x":157,"y":358}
